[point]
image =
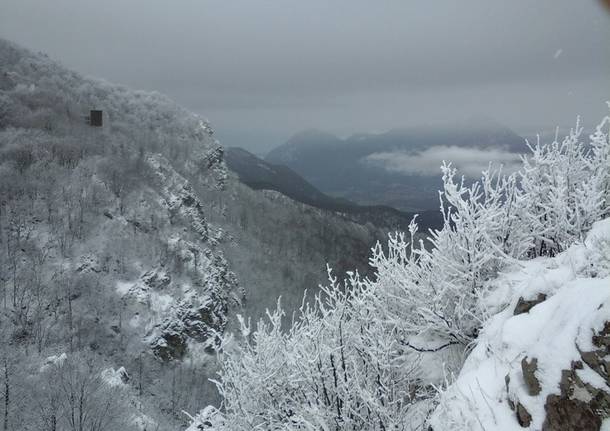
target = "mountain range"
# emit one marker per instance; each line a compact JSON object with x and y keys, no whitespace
{"x":399,"y":168}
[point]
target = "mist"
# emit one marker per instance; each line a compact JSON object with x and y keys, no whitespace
{"x":261,"y":71}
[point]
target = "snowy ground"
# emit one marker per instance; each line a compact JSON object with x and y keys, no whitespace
{"x":555,"y":332}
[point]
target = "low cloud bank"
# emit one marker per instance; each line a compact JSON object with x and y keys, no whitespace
{"x":469,"y":161}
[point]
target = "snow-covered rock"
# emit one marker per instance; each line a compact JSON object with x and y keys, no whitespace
{"x":546,"y":368}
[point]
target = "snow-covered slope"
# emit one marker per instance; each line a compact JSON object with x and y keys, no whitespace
{"x":541,"y":362}
{"x":106,"y":240}
{"x":117,"y":198}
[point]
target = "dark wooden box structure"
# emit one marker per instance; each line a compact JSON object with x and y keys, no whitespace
{"x":95,"y":118}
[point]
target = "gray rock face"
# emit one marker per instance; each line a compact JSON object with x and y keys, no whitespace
{"x":156,"y":279}
{"x":523,"y":416}
{"x":569,"y":415}
{"x":581,"y":406}
{"x":524,"y":306}
{"x":203,"y":323}
{"x":529,"y":369}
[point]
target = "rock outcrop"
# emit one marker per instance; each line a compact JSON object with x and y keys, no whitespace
{"x":581,"y":405}
{"x":542,"y":362}
{"x":525,"y":305}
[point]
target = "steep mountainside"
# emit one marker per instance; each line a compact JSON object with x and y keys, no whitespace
{"x":260,"y":174}
{"x":397,"y":168}
{"x":125,"y":250}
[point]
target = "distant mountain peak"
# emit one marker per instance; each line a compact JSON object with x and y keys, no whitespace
{"x":485,"y":122}
{"x":311,"y":138}
{"x":303,"y":141}
{"x":338,"y":167}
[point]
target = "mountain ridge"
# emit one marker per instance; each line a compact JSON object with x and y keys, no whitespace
{"x":259,"y":174}
{"x":342,"y":167}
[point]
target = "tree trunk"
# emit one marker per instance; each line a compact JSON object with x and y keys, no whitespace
{"x":6,"y":395}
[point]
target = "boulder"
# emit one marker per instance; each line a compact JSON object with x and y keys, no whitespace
{"x":524,"y":306}
{"x":581,"y":406}
{"x":529,"y":368}
{"x":523,"y":416}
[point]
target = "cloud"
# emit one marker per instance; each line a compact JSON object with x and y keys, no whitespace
{"x":469,"y":161}
{"x":260,"y":71}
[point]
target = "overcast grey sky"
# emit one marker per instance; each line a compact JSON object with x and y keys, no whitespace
{"x":262,"y":70}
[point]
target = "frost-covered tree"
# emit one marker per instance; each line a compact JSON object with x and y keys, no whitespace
{"x":564,"y":189}
{"x":433,"y":291}
{"x":339,"y":366}
{"x":73,"y":395}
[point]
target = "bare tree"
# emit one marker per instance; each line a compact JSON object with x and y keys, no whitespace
{"x":75,"y":397}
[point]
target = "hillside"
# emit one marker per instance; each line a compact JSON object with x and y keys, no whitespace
{"x":398,"y":168}
{"x":135,"y":266}
{"x":259,"y":174}
{"x":127,"y":249}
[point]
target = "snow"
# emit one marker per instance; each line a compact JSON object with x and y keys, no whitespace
{"x":135,"y":321}
{"x":578,"y":304}
{"x":160,"y":302}
{"x":206,"y":416}
{"x":54,"y":360}
{"x":123,"y":287}
{"x":144,"y":422}
{"x":115,"y":378}
{"x":141,"y":292}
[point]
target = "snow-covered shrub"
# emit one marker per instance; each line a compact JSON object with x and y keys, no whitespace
{"x":564,"y":189}
{"x":350,"y":361}
{"x":434,"y":291}
{"x":550,"y":203}
{"x":337,"y":367}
